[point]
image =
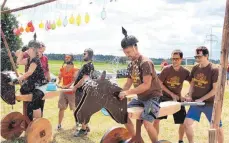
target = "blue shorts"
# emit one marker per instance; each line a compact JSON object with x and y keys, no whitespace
{"x":228,"y":76}
{"x":194,"y":113}
{"x":151,"y":108}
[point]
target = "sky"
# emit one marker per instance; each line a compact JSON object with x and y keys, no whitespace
{"x":161,"y":26}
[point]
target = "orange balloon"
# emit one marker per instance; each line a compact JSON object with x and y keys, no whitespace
{"x":21,"y":29}
{"x":27,"y":29}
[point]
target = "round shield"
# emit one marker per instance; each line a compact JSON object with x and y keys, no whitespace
{"x":11,"y":125}
{"x":116,"y":135}
{"x":39,"y":131}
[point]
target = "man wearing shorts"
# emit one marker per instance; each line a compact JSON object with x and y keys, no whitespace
{"x":203,"y":86}
{"x":82,"y":76}
{"x":171,"y":79}
{"x":68,"y":74}
{"x":142,"y":75}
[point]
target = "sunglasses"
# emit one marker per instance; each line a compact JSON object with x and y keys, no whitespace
{"x":198,"y":57}
{"x":175,"y":59}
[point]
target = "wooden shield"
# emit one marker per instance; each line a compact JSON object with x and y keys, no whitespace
{"x":12,"y":125}
{"x":116,"y":135}
{"x":39,"y":131}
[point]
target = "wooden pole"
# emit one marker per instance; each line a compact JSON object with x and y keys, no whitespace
{"x":9,"y":53}
{"x":3,"y":4}
{"x":218,"y":103}
{"x":27,"y":7}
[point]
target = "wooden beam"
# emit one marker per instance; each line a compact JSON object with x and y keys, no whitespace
{"x":9,"y":53}
{"x":27,"y":7}
{"x":218,"y":103}
{"x":3,"y":4}
{"x":48,"y":95}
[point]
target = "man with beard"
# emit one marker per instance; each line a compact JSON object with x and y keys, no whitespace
{"x":142,"y":74}
{"x":82,"y":76}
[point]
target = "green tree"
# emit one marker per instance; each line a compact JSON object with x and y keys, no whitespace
{"x":8,"y":23}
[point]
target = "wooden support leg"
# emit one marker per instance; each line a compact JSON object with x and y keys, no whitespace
{"x":212,"y":135}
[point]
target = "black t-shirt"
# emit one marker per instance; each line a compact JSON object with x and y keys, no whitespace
{"x":85,"y":70}
{"x":38,"y":75}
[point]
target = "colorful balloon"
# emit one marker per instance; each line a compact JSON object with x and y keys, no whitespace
{"x":59,"y":22}
{"x":78,"y":20}
{"x":65,"y":22}
{"x":41,"y":25}
{"x":87,"y":18}
{"x":53,"y":25}
{"x":71,"y":20}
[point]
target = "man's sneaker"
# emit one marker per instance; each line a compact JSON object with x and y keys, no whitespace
{"x":180,"y":141}
{"x":80,"y":133}
{"x":59,"y":127}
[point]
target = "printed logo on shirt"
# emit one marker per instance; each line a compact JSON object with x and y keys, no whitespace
{"x":174,"y":81}
{"x":200,"y":80}
{"x":135,"y":76}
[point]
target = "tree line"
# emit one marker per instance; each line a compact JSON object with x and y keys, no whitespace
{"x":117,"y":59}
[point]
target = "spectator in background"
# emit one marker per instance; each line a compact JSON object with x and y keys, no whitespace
{"x":163,"y":64}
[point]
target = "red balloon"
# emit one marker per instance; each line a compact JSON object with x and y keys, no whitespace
{"x":30,"y":24}
{"x":32,"y":29}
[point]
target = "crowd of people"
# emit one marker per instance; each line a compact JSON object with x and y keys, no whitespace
{"x":150,"y":88}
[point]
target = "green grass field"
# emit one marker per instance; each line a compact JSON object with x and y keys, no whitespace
{"x":100,"y":124}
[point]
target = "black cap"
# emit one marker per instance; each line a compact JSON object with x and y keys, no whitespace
{"x":128,"y":40}
{"x":34,"y":44}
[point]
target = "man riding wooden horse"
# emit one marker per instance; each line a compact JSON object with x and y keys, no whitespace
{"x":102,"y":93}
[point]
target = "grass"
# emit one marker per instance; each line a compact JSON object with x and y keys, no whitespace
{"x":100,"y":124}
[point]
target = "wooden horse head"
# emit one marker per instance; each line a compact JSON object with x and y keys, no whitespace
{"x":7,"y":90}
{"x":98,"y":94}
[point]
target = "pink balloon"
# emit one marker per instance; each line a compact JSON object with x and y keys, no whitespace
{"x":18,"y":32}
{"x":15,"y":30}
{"x":49,"y":25}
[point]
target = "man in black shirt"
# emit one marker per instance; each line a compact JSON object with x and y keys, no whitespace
{"x":82,"y":76}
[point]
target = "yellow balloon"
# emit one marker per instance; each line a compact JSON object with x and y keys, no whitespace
{"x":78,"y":20}
{"x":59,"y":22}
{"x":41,"y":25}
{"x":71,"y":20}
{"x":87,"y":18}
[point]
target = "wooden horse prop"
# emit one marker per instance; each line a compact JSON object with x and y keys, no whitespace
{"x":98,"y":94}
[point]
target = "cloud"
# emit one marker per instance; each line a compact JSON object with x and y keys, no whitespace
{"x":160,"y":26}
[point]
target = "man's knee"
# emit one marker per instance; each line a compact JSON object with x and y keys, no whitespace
{"x":156,"y":122}
{"x":147,"y":124}
{"x":188,"y":123}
